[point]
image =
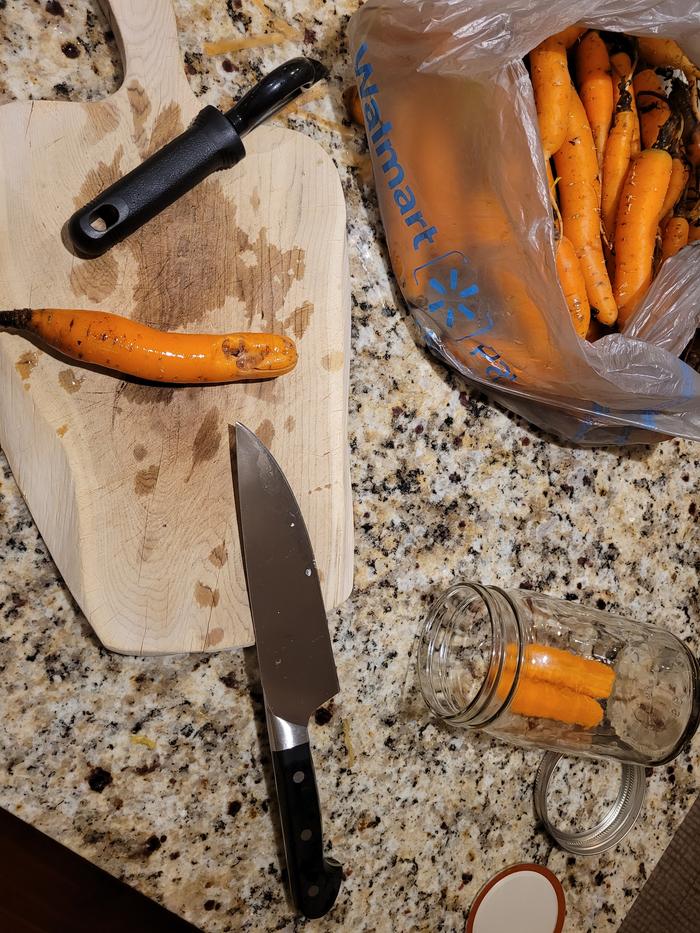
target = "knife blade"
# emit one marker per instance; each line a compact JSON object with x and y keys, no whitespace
{"x":297,"y":670}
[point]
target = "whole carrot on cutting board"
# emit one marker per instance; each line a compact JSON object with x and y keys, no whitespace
{"x":125,"y":346}
{"x":579,"y":194}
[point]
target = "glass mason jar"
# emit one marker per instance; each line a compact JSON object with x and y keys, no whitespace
{"x":546,"y":673}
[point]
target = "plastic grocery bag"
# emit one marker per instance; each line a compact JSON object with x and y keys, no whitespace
{"x":452,"y":131}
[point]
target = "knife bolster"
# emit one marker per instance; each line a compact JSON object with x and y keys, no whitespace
{"x":284,"y":735}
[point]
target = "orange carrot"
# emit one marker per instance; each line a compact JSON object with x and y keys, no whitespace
{"x":126,"y":346}
{"x":638,"y":219}
{"x":573,"y":285}
{"x":675,"y":237}
{"x":579,"y":194}
{"x":540,"y":700}
{"x":680,"y":173}
{"x":593,"y":77}
{"x":653,"y":107}
{"x":623,"y":68}
{"x":561,"y":668}
{"x":694,"y":232}
{"x":617,"y":158}
{"x":551,"y":85}
{"x":570,"y":35}
{"x":666,"y":53}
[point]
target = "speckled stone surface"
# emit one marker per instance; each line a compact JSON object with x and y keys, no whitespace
{"x":156,"y":769}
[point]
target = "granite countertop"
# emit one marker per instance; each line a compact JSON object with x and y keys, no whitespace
{"x":155,"y":768}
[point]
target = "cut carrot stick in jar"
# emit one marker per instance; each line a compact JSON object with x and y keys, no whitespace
{"x":540,"y":700}
{"x":561,"y":668}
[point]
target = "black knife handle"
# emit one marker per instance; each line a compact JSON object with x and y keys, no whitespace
{"x":211,"y":143}
{"x":314,"y":880}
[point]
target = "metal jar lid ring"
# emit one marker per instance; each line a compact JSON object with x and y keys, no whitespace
{"x":616,"y":822}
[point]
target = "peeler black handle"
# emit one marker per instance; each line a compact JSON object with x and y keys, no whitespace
{"x":209,"y":144}
{"x":212,"y":142}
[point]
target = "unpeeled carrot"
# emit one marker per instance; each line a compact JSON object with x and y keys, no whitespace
{"x":551,"y":85}
{"x":680,"y":173}
{"x":126,"y":346}
{"x":666,"y":53}
{"x":594,"y":81}
{"x":573,"y":285}
{"x":675,"y":237}
{"x":694,"y":232}
{"x":579,"y":193}
{"x":617,"y":158}
{"x":569,"y":36}
{"x":623,"y":70}
{"x":654,"y":109}
{"x":637,"y":222}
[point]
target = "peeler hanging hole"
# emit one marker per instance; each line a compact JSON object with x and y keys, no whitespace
{"x":103,"y":217}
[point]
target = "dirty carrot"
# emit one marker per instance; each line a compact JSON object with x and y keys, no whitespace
{"x":675,"y":237}
{"x":680,"y":173}
{"x":125,"y":346}
{"x":570,"y":35}
{"x":573,"y":285}
{"x":637,"y":221}
{"x":579,"y":193}
{"x":617,"y":158}
{"x":560,"y":667}
{"x":694,"y":232}
{"x":653,"y":107}
{"x":623,"y":68}
{"x":593,"y":77}
{"x":666,"y":53}
{"x":551,"y":85}
{"x":545,"y":701}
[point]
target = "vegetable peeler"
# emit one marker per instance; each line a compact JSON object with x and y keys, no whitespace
{"x":212,"y":142}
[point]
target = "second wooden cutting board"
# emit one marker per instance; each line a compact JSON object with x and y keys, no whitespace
{"x":130,"y":484}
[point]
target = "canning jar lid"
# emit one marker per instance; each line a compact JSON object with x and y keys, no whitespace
{"x":615,"y":822}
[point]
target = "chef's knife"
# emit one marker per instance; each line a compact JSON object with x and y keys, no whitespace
{"x":295,"y":657}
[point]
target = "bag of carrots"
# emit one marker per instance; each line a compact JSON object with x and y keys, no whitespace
{"x":537,"y":167}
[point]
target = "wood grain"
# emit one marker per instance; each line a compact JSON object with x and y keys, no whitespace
{"x":130,"y":484}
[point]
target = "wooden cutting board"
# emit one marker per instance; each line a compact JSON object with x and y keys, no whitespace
{"x":130,"y":484}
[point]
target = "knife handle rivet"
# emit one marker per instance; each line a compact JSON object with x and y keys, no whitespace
{"x":313,"y":890}
{"x":298,"y":777}
{"x":306,"y":834}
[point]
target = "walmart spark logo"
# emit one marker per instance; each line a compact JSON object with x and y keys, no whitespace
{"x":451,"y":299}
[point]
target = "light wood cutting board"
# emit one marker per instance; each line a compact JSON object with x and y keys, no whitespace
{"x":130,"y":484}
